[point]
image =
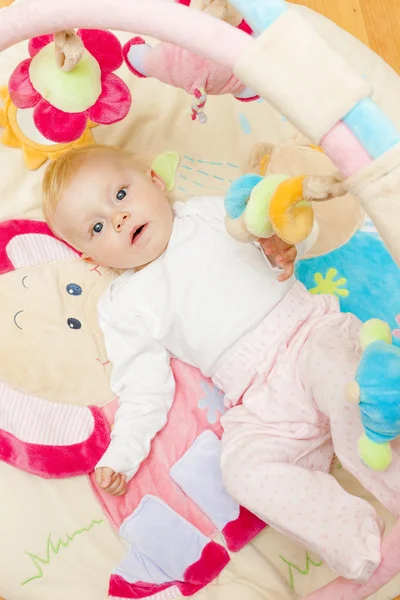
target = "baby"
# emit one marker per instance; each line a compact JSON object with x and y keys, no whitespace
{"x":281,"y":356}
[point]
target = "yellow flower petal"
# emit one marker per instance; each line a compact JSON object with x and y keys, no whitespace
{"x":33,"y":158}
{"x":10,"y":139}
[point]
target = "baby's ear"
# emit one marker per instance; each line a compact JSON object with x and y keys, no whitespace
{"x":157,"y":180}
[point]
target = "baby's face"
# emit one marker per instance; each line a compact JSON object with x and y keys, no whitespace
{"x":114,"y":214}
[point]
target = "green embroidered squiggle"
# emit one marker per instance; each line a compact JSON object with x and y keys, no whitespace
{"x":302,"y":572}
{"x":53,"y":549}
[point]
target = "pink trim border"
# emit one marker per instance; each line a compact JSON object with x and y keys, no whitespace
{"x":57,"y":461}
{"x":212,"y":561}
{"x":136,"y":41}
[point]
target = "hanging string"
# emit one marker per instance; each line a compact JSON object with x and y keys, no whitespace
{"x":69,"y":49}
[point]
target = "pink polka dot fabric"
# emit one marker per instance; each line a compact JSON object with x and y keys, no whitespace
{"x":290,"y":416}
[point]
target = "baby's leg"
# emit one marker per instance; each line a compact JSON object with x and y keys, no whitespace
{"x":286,"y":483}
{"x":329,"y":361}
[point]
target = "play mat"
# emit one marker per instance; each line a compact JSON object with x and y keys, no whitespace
{"x":60,"y":536}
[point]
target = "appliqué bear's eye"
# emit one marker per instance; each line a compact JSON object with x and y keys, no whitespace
{"x":74,"y":289}
{"x":121,"y":194}
{"x":74,"y":323}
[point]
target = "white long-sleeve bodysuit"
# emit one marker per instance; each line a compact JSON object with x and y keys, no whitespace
{"x":195,"y":302}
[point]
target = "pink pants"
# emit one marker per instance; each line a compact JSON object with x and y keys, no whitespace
{"x":278,"y":443}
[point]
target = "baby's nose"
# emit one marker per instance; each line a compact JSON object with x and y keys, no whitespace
{"x":118,"y":220}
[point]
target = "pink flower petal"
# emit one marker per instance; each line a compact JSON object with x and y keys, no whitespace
{"x":104,"y":46}
{"x":37,"y":43}
{"x":114,"y":102}
{"x":58,"y":126}
{"x":22,"y":92}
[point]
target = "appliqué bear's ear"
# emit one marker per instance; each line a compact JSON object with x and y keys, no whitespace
{"x":135,"y":53}
{"x":48,"y":439}
{"x":25,"y":243}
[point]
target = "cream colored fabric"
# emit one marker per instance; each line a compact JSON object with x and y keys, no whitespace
{"x":36,"y":514}
{"x":292,"y":66}
{"x":378,"y":187}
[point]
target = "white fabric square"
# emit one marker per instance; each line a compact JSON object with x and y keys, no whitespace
{"x":293,"y":68}
{"x":378,"y":187}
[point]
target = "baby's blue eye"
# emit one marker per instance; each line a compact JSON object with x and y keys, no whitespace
{"x":121,"y":194}
{"x":98,"y":228}
{"x":74,"y":289}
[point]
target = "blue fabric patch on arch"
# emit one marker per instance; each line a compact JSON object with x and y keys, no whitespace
{"x":372,"y":127}
{"x":260,"y":14}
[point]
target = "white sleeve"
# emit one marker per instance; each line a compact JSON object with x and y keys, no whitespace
{"x":143,"y":380}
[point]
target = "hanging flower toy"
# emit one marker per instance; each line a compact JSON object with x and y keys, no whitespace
{"x":69,"y":81}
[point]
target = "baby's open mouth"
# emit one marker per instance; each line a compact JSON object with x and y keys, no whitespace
{"x":138,"y":232}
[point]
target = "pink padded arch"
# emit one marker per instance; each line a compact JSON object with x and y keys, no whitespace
{"x":209,"y":37}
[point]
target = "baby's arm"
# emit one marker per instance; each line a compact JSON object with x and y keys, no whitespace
{"x":143,"y":380}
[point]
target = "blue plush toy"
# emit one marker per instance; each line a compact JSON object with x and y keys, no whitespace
{"x":377,"y":389}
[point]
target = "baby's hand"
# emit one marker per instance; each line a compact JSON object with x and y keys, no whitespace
{"x":281,"y":254}
{"x":111,"y":482}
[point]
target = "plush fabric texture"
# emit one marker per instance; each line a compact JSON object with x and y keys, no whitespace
{"x":258,"y":15}
{"x":291,"y":217}
{"x":380,"y":394}
{"x":35,"y":153}
{"x":279,"y":73}
{"x":63,"y":127}
{"x":182,"y":68}
{"x":345,"y":150}
{"x":188,"y":29}
{"x":377,"y":187}
{"x":239,"y":193}
{"x":257,"y":210}
{"x":361,"y":274}
{"x":372,"y":127}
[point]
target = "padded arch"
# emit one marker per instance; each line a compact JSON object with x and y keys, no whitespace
{"x":168,"y":22}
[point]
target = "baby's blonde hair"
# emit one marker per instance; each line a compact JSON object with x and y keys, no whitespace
{"x":59,"y":173}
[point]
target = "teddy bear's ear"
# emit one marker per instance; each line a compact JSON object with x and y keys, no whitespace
{"x":259,"y":158}
{"x":48,"y":439}
{"x":25,"y":243}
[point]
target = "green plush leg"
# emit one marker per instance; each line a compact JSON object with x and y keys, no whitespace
{"x":375,"y":330}
{"x":376,"y":456}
